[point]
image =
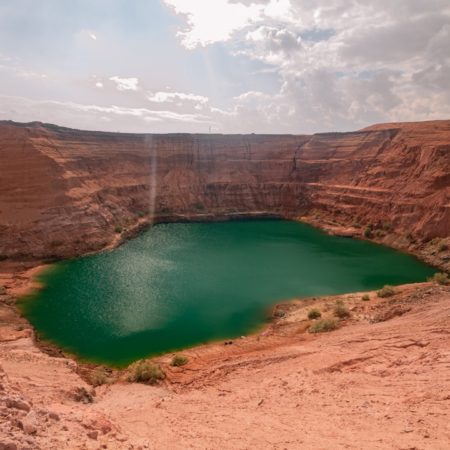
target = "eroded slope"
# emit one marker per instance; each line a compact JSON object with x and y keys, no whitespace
{"x":66,"y":192}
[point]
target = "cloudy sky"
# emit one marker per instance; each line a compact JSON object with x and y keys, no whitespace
{"x":271,"y":66}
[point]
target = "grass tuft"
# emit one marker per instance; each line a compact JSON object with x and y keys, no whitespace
{"x":98,"y":378}
{"x":341,"y":311}
{"x":440,"y":278}
{"x":314,"y":314}
{"x":146,"y":372}
{"x":386,"y":291}
{"x":179,"y":360}
{"x":323,"y":325}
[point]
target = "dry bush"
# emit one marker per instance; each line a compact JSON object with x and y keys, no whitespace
{"x":323,"y":325}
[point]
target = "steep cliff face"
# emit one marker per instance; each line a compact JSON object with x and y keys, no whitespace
{"x":66,"y":192}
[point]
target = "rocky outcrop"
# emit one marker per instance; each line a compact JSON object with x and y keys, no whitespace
{"x":66,"y":192}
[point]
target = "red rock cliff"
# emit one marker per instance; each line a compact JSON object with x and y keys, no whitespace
{"x":63,"y":192}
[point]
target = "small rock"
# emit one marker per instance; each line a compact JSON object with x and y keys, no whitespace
{"x":81,"y":394}
{"x":17,"y":404}
{"x":8,"y":445}
{"x":93,"y":434}
{"x":53,"y":415}
{"x":121,"y":438}
{"x":29,"y":423}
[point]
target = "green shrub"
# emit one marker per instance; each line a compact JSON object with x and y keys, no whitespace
{"x":2,"y":290}
{"x":140,"y":214}
{"x":147,"y":372}
{"x":365,"y":298}
{"x":314,"y":314}
{"x":323,"y":325}
{"x":380,"y":233}
{"x":118,"y":229}
{"x":179,"y":360}
{"x":386,"y":291}
{"x":368,"y":232}
{"x":440,"y":278}
{"x":443,"y":247}
{"x":199,"y":205}
{"x":341,"y":311}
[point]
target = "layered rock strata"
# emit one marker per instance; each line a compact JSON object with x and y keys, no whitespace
{"x":66,"y":192}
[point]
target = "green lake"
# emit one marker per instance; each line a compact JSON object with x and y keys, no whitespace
{"x":178,"y":285}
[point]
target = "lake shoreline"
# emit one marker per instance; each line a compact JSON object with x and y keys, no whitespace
{"x":254,"y":372}
{"x":26,"y":281}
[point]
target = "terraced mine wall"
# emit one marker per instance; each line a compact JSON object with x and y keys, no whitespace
{"x":67,"y":192}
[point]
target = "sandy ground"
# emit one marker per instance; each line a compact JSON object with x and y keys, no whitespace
{"x":381,"y":381}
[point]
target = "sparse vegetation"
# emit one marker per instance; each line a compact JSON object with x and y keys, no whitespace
{"x":179,"y":360}
{"x":118,"y":229}
{"x":279,"y":313}
{"x":314,"y":314}
{"x":340,"y":310}
{"x":365,"y":298}
{"x":140,"y":214}
{"x":443,"y":247}
{"x":2,"y":290}
{"x":146,"y":372}
{"x":441,"y":278}
{"x":380,"y":233}
{"x":323,"y":325}
{"x":368,"y":231}
{"x":98,"y":377}
{"x":386,"y":291}
{"x":410,"y":238}
{"x":199,"y":206}
{"x":387,"y":226}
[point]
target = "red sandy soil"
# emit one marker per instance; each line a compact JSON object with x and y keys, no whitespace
{"x":381,"y":381}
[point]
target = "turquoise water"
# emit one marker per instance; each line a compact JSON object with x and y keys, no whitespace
{"x":178,"y":285}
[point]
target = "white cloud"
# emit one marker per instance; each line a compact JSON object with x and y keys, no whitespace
{"x":89,"y":116}
{"x":282,"y":66}
{"x":215,"y":21}
{"x":341,"y":64}
{"x":212,"y":21}
{"x":171,"y":97}
{"x":125,"y":84}
{"x":251,"y":97}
